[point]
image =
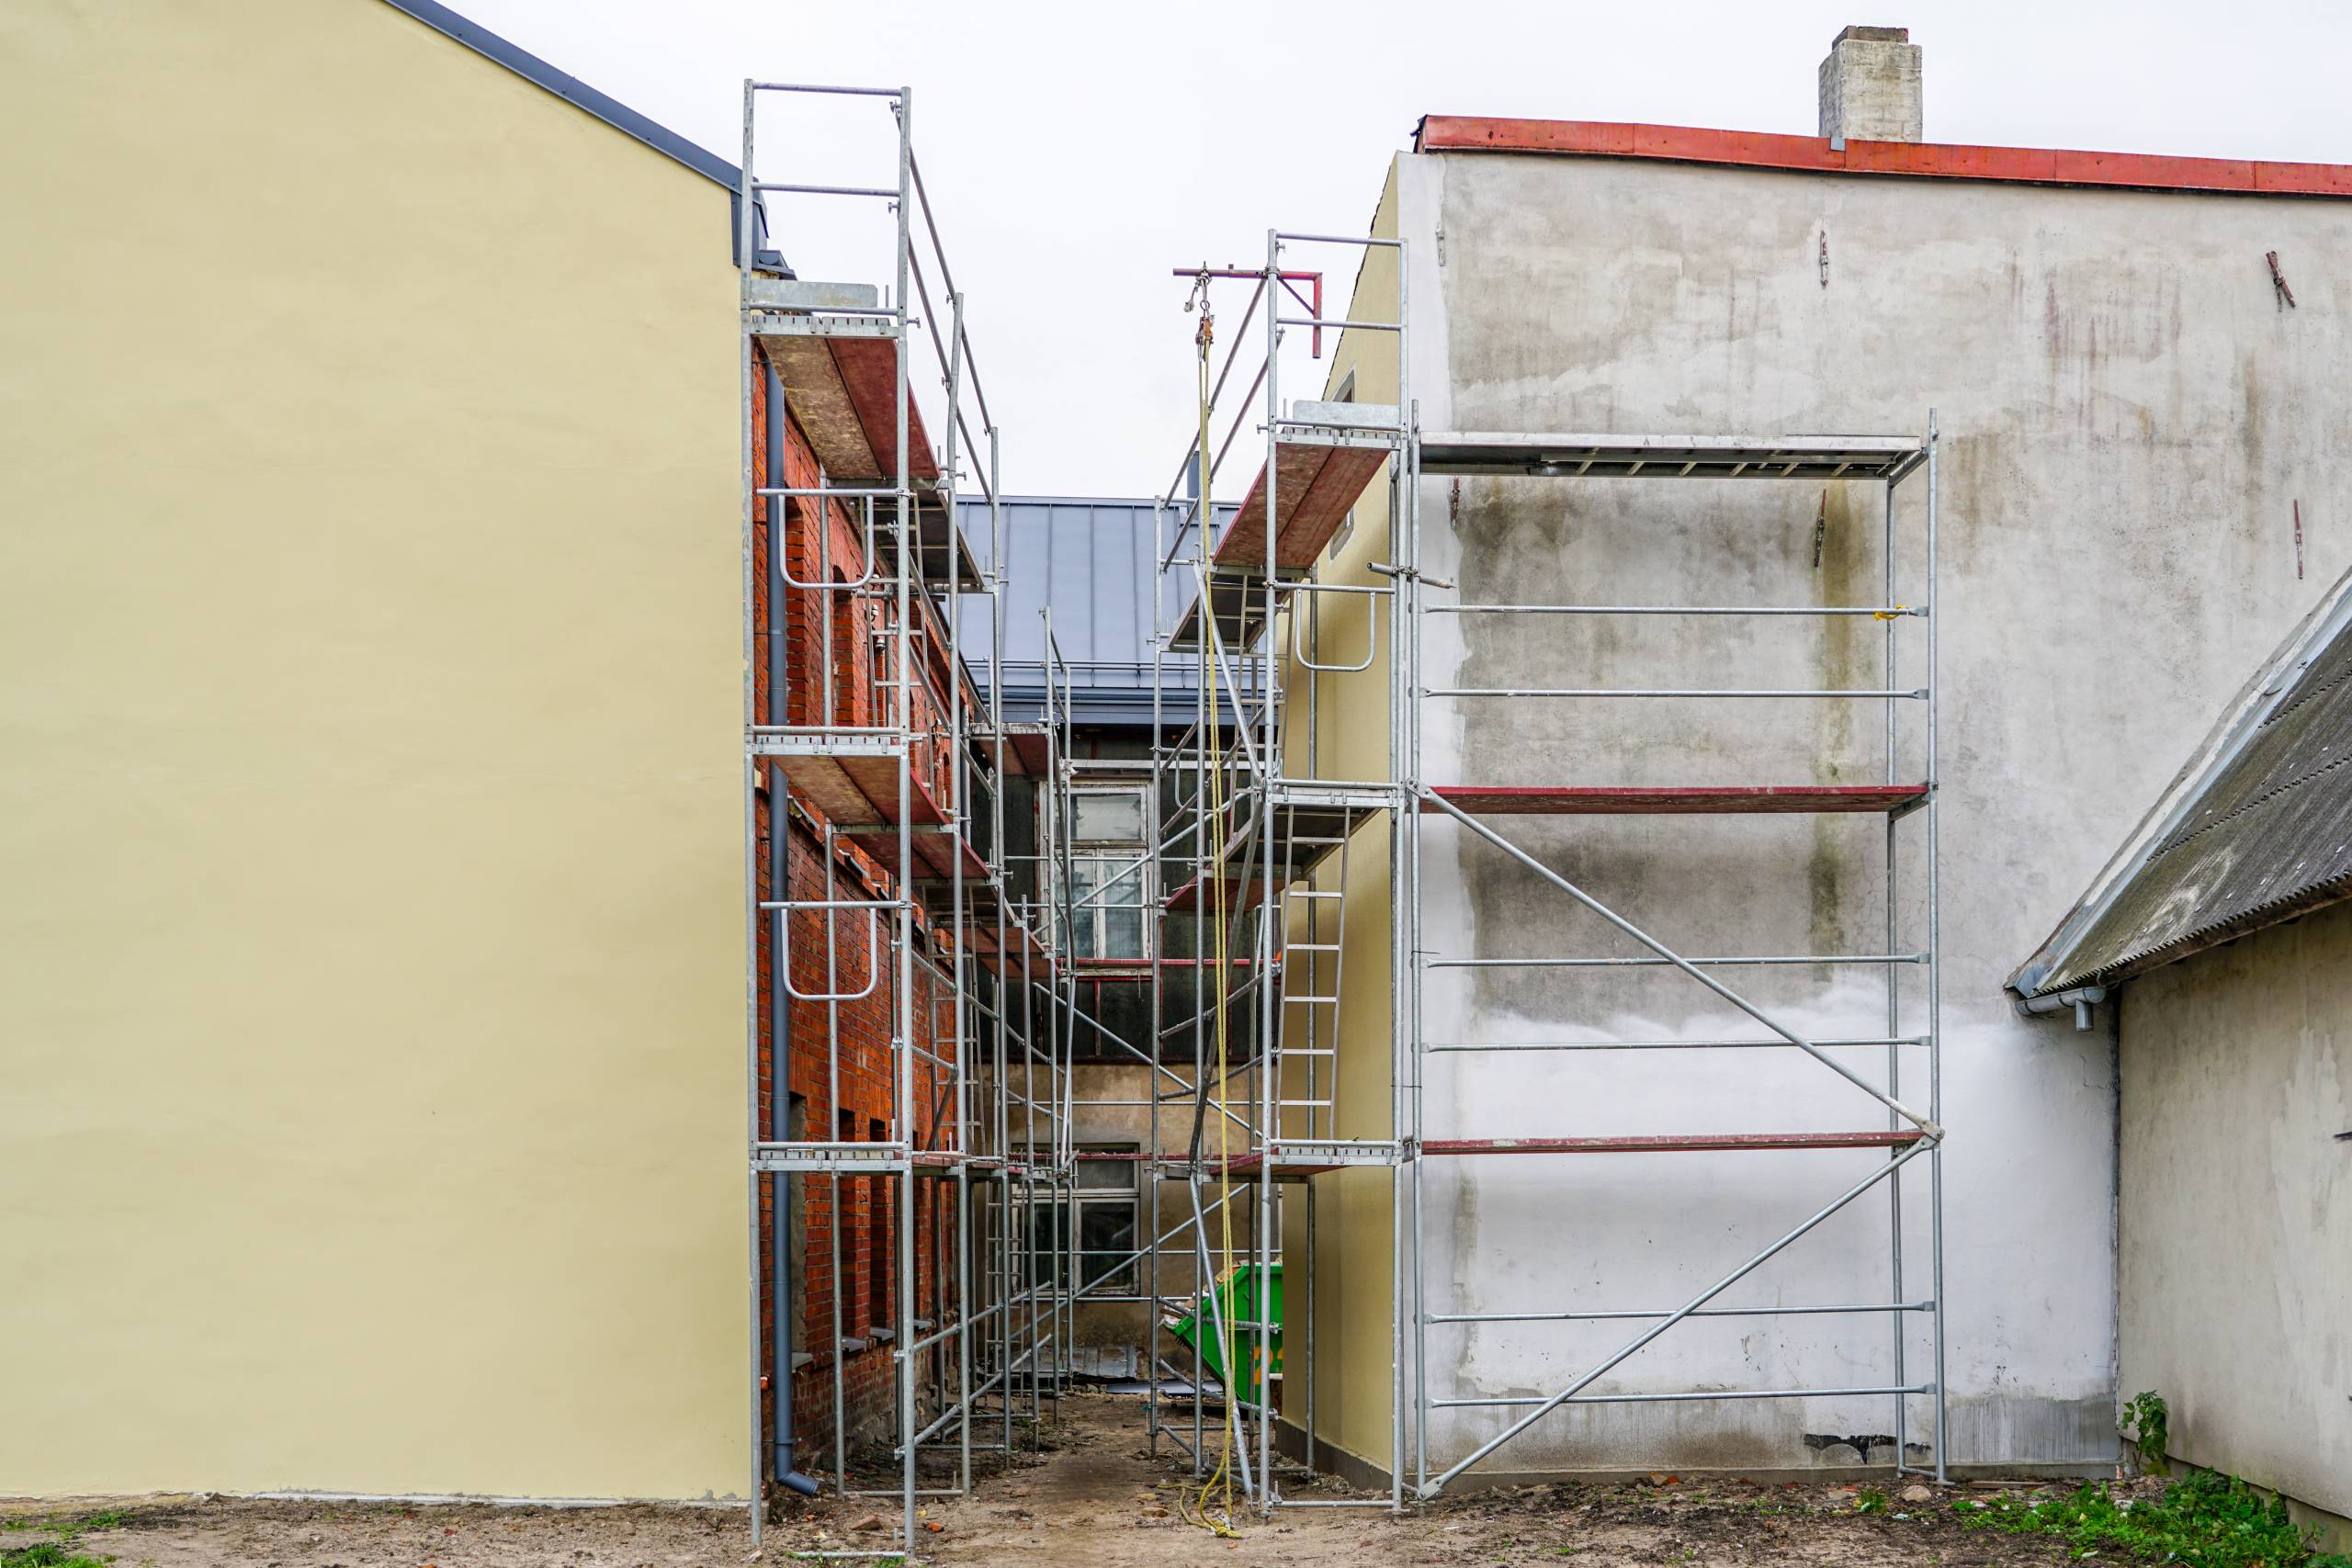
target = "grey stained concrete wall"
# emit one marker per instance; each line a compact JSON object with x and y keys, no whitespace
{"x":2128,"y":417}
{"x":2236,"y":1282}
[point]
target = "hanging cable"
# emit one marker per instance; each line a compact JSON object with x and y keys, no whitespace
{"x":1220,"y":1481}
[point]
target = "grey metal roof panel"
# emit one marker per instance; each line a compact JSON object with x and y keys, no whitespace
{"x":1095,"y":563}
{"x":2257,"y":830}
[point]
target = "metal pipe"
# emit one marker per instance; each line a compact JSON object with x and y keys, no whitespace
{"x":902,"y":705}
{"x":1703,"y":1312}
{"x":767,"y":185}
{"x":782,"y":1193}
{"x":1321,"y":322}
{"x":1822,"y":958}
{"x":750,"y":87}
{"x":2080,"y":999}
{"x":1876,"y":612}
{"x":1360,"y":240}
{"x":1935,"y":988}
{"x":1650,"y":691}
{"x":747,"y":255}
{"x":1507,"y":1400}
{"x":1609,"y":1363}
{"x":1657,"y":1044}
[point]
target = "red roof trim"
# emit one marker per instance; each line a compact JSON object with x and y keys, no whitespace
{"x":1813,"y":154}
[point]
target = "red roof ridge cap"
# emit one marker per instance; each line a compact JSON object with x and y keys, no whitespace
{"x":1933,"y":160}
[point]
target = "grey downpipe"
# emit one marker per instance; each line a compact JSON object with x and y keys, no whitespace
{"x":780,"y":1031}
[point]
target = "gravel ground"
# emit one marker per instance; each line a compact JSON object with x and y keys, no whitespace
{"x":1093,"y":1497}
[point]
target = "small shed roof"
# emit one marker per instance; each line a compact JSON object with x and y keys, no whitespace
{"x":2256,"y":830}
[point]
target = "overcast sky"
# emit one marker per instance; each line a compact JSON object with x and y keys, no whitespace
{"x":1076,"y":152}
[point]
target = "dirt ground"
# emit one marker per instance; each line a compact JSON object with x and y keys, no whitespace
{"x":1093,"y":1497}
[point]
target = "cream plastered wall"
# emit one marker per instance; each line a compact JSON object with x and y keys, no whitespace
{"x":371,"y":833}
{"x":2235,"y":1219}
{"x":1353,"y":1360}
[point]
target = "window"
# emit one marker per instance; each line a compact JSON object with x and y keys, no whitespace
{"x":1106,"y":1221}
{"x":1099,"y":1223}
{"x":1346,"y":394}
{"x":1109,"y":875}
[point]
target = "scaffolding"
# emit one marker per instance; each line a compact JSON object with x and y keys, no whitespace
{"x":865,"y":732}
{"x":1256,"y":836}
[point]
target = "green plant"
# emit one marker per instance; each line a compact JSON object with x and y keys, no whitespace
{"x":2145,"y":1422}
{"x":1869,"y":1500}
{"x":2204,"y":1520}
{"x":59,"y":1552}
{"x":47,"y":1554}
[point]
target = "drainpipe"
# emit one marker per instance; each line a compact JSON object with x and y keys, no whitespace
{"x":2082,"y":998}
{"x":780,"y":1031}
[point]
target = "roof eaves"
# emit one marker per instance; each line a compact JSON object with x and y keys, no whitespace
{"x":2050,"y":967}
{"x":2303,"y":902}
{"x":1934,"y":160}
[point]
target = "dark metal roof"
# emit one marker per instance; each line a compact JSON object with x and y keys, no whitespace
{"x":2256,"y":830}
{"x":1093,"y":562}
{"x":580,"y":95}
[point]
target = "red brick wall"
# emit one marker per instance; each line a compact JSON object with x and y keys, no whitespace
{"x":856,"y":1215}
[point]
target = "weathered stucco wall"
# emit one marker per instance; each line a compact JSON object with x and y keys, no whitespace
{"x":2128,"y":416}
{"x":2236,"y":1213}
{"x":372,"y":949}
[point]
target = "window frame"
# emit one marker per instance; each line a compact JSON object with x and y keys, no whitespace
{"x":1123,"y":861}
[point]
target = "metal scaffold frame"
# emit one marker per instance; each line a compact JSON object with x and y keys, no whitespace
{"x":1247,"y":810}
{"x":1239,"y":820}
{"x":1909,"y":1132}
{"x":916,"y":805}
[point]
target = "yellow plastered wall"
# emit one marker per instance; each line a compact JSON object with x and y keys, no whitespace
{"x":370,"y":825}
{"x":1353,"y":1347}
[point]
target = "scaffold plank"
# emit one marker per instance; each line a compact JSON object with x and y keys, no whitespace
{"x":1318,"y":483}
{"x":1544,"y":454}
{"x":862,"y":791}
{"x":839,"y":387}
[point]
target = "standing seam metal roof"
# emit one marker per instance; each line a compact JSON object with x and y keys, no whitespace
{"x":2257,"y":830}
{"x":1093,"y":561}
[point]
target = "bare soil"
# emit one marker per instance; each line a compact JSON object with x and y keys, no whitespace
{"x":1094,"y":1497}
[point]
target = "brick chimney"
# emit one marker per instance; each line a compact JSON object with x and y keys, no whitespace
{"x":1870,"y":86}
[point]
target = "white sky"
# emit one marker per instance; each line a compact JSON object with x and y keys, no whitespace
{"x":1076,"y":152}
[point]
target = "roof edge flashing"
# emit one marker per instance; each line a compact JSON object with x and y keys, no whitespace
{"x":1932,"y":160}
{"x":561,"y":84}
{"x":2270,"y":687}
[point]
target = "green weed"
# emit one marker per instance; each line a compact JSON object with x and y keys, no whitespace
{"x":59,"y":1552}
{"x":2145,"y":1422}
{"x":1869,"y":1500}
{"x":2205,"y":1520}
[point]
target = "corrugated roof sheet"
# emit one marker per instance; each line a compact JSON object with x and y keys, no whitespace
{"x":1094,"y":562}
{"x":2257,"y":828}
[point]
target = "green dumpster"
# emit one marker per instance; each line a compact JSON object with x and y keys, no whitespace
{"x":1238,"y":1298}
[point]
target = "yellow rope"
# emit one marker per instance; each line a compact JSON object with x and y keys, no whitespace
{"x":1212,"y":820}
